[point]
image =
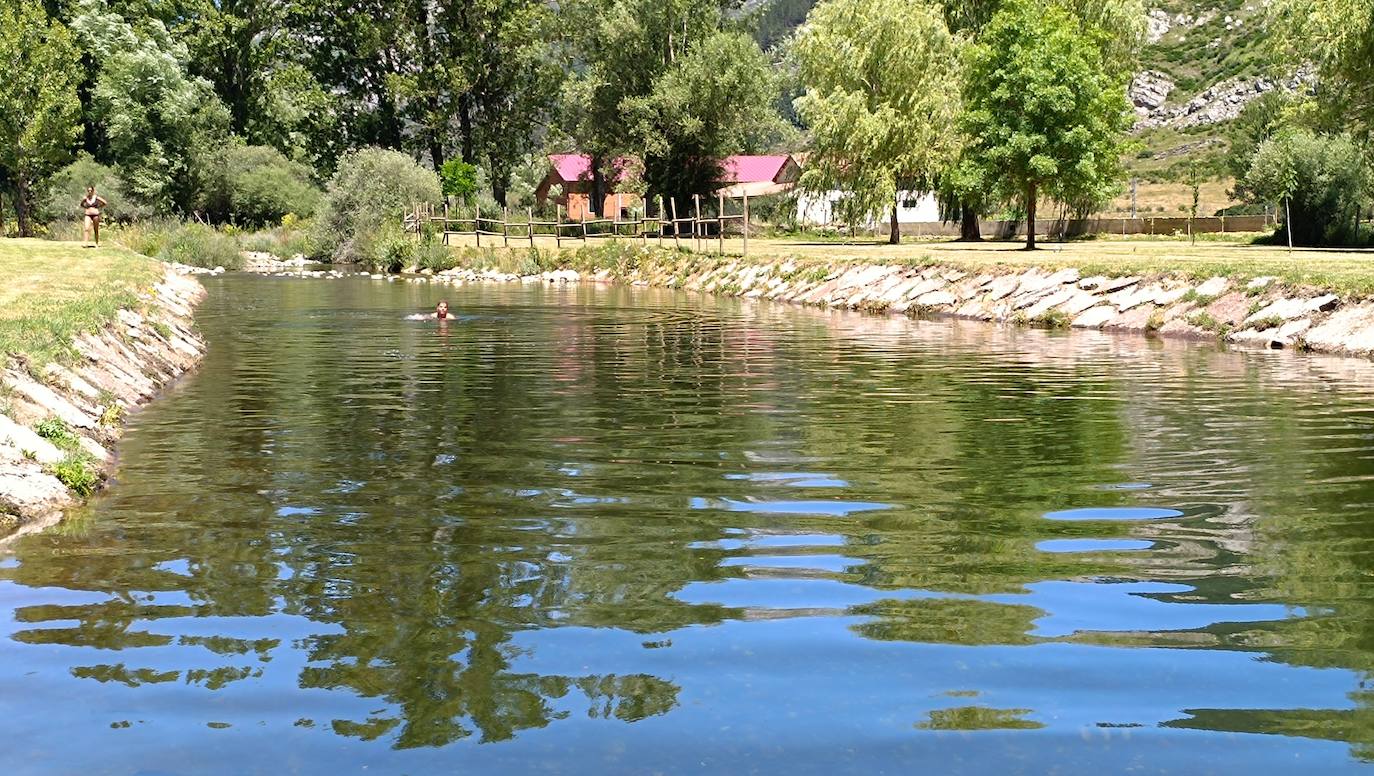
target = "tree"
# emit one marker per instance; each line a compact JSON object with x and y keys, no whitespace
{"x":1338,"y":35}
{"x":39,"y":109}
{"x":1322,"y":180}
{"x":624,"y":48}
{"x":714,"y":102}
{"x":1118,"y":27}
{"x":1045,"y":116}
{"x":166,"y":130}
{"x":881,"y":100}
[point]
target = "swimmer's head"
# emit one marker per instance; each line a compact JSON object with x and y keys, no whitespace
{"x":441,"y":310}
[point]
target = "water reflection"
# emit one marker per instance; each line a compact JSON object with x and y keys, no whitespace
{"x":617,"y":527}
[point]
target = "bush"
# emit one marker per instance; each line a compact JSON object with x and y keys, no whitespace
{"x":77,"y":471}
{"x":372,"y":187}
{"x":257,"y":187}
{"x":201,"y":246}
{"x":1322,"y":178}
{"x":459,"y":179}
{"x":61,"y":198}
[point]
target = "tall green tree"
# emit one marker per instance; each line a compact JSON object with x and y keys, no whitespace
{"x":715,"y":101}
{"x":1117,"y":27}
{"x":1045,"y":117}
{"x":881,"y":100}
{"x":39,"y":108}
{"x":624,"y":48}
{"x":1338,"y":35}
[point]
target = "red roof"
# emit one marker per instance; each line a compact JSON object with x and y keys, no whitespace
{"x":754,"y":169}
{"x":738,"y":169}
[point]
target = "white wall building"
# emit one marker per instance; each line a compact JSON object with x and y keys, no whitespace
{"x":819,"y":209}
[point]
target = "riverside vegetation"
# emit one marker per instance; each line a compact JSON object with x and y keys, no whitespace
{"x":85,"y":336}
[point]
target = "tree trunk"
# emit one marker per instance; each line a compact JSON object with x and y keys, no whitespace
{"x":467,"y":146}
{"x":598,"y":195}
{"x":968,"y":223}
{"x":21,"y":204}
{"x":500,"y":183}
{"x":1030,"y":216}
{"x":894,"y":235}
{"x":436,"y":153}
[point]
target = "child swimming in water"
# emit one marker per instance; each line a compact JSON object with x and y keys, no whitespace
{"x":441,"y":310}
{"x":440,"y":313}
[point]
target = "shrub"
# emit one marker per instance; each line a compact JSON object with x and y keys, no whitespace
{"x":77,"y":471}
{"x":459,"y":179}
{"x":201,"y":246}
{"x":61,"y":198}
{"x":372,"y":187}
{"x":259,"y":187}
{"x":1323,"y":178}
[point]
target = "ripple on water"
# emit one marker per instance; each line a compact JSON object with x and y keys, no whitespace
{"x":1113,"y":513}
{"x":771,"y":507}
{"x":1093,"y":545}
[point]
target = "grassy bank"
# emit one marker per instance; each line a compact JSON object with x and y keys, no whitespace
{"x":1349,"y":273}
{"x":50,"y":292}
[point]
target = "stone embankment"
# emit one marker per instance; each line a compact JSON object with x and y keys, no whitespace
{"x":58,"y":426}
{"x":1256,"y":312}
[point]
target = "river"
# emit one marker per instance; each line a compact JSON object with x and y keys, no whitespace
{"x":587,"y":529}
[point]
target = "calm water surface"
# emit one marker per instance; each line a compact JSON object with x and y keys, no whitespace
{"x":590,"y":530}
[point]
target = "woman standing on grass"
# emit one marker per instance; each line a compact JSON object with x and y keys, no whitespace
{"x":91,"y":204}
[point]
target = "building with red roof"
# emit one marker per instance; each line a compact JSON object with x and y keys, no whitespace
{"x":572,"y":174}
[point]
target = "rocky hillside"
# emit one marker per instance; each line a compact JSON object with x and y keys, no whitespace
{"x":1203,"y":62}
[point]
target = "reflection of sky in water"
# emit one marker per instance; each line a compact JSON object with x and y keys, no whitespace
{"x":796,"y":544}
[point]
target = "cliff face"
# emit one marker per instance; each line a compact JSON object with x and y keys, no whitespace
{"x":57,"y":428}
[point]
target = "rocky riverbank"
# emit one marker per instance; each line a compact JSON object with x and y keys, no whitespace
{"x":1249,"y":311}
{"x":58,"y":424}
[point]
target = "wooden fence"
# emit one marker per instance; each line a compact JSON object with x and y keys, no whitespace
{"x":666,"y":225}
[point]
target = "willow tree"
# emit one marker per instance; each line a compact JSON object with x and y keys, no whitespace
{"x":39,"y":109}
{"x":1045,"y":114}
{"x":1338,"y":36}
{"x":881,"y":100}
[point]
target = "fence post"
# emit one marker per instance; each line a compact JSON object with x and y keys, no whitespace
{"x":676,"y":243}
{"x":529,"y":224}
{"x":662,"y":213}
{"x":720,"y":223}
{"x":696,"y":223}
{"x":746,"y":225}
{"x":558,"y":226}
{"x":477,"y":223}
{"x":505,"y":227}
{"x":619,"y":209}
{"x":584,"y":226}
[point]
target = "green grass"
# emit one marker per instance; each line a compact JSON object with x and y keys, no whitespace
{"x":51,"y":292}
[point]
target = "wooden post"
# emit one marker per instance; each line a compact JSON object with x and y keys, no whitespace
{"x":662,"y":213}
{"x":505,"y":226}
{"x":584,"y":226}
{"x":696,"y":223}
{"x":676,"y":243}
{"x":558,"y":226}
{"x":477,"y":223}
{"x":529,"y":224}
{"x":746,"y":225}
{"x":619,"y":208}
{"x":720,"y":223}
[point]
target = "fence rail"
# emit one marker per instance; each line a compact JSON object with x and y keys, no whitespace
{"x":666,"y":225}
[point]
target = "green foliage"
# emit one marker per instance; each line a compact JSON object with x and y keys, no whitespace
{"x":1338,"y":35}
{"x":881,"y":100}
{"x":200,"y":245}
{"x":38,"y":101}
{"x":715,"y":101}
{"x":1044,"y":115}
{"x":62,"y":196}
{"x":1323,"y":179}
{"x":164,"y":127}
{"x":78,"y":472}
{"x":371,"y":187}
{"x":56,"y":430}
{"x":258,"y":186}
{"x":1257,"y":122}
{"x":458,"y":179}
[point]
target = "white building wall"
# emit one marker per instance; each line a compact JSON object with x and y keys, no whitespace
{"x":819,"y":209}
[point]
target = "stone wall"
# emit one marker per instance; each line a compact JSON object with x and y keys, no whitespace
{"x":1258,"y":312}
{"x":122,"y":366}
